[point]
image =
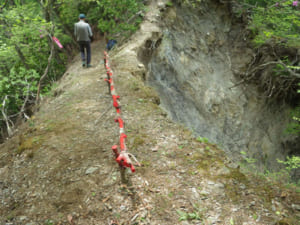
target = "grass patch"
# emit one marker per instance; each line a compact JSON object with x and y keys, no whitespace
{"x":30,"y":143}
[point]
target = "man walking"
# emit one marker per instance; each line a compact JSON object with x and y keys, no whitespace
{"x":83,"y":34}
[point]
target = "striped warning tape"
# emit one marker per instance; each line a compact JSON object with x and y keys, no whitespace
{"x":122,"y":156}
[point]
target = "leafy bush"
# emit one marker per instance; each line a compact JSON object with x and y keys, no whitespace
{"x":119,"y":17}
{"x":284,"y":175}
{"x":25,"y":38}
{"x":26,"y":28}
{"x":273,"y":22}
{"x":19,"y":83}
{"x":67,"y":11}
{"x":291,"y":163}
{"x":116,"y":18}
{"x":294,"y":127}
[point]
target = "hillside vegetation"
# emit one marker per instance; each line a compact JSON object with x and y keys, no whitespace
{"x":28,"y":52}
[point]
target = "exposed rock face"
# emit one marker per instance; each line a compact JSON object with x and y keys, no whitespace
{"x":192,"y":67}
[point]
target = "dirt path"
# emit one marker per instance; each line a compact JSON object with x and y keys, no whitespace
{"x":60,"y":163}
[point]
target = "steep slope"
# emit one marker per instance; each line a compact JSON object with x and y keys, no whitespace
{"x":194,"y":64}
{"x":60,"y":162}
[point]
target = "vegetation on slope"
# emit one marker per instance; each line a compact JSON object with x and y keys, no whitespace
{"x":274,"y":28}
{"x":27,"y":28}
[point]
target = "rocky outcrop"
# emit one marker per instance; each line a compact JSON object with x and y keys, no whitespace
{"x":192,"y":64}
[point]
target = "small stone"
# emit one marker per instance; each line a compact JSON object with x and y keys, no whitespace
{"x":91,"y":170}
{"x":214,"y":219}
{"x":108,"y":206}
{"x":242,"y":186}
{"x":252,"y":203}
{"x":273,"y":208}
{"x":196,"y":195}
{"x":154,"y":149}
{"x":296,"y":207}
{"x":219,"y":185}
{"x":210,"y":183}
{"x":204,"y":193}
{"x":141,"y":65}
{"x":160,"y":5}
{"x":22,"y":218}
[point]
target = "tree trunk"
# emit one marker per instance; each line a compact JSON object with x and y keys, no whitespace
{"x":21,"y":56}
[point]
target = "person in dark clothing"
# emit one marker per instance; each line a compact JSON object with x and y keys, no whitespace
{"x":83,"y":34}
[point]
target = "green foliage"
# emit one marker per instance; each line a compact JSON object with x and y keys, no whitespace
{"x":49,"y":222}
{"x":231,"y":221}
{"x":119,"y":17}
{"x":26,"y":30}
{"x":294,"y":127}
{"x":202,"y":140}
{"x":18,"y":84}
{"x":69,"y":10}
{"x":20,"y":65}
{"x":248,"y":160}
{"x":25,"y":39}
{"x":22,"y":32}
{"x":116,"y":18}
{"x":196,"y":215}
{"x":283,"y":175}
{"x":169,"y":3}
{"x":291,"y":163}
{"x":273,"y":22}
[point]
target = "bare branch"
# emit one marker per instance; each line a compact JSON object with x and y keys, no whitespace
{"x":250,"y":74}
{"x":297,"y":75}
{"x":6,"y":119}
{"x":276,"y":4}
{"x":45,"y":73}
{"x":25,"y":102}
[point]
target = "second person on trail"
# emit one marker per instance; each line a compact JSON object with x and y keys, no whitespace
{"x":83,"y":34}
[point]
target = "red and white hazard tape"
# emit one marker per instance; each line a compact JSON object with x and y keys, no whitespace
{"x":122,"y":157}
